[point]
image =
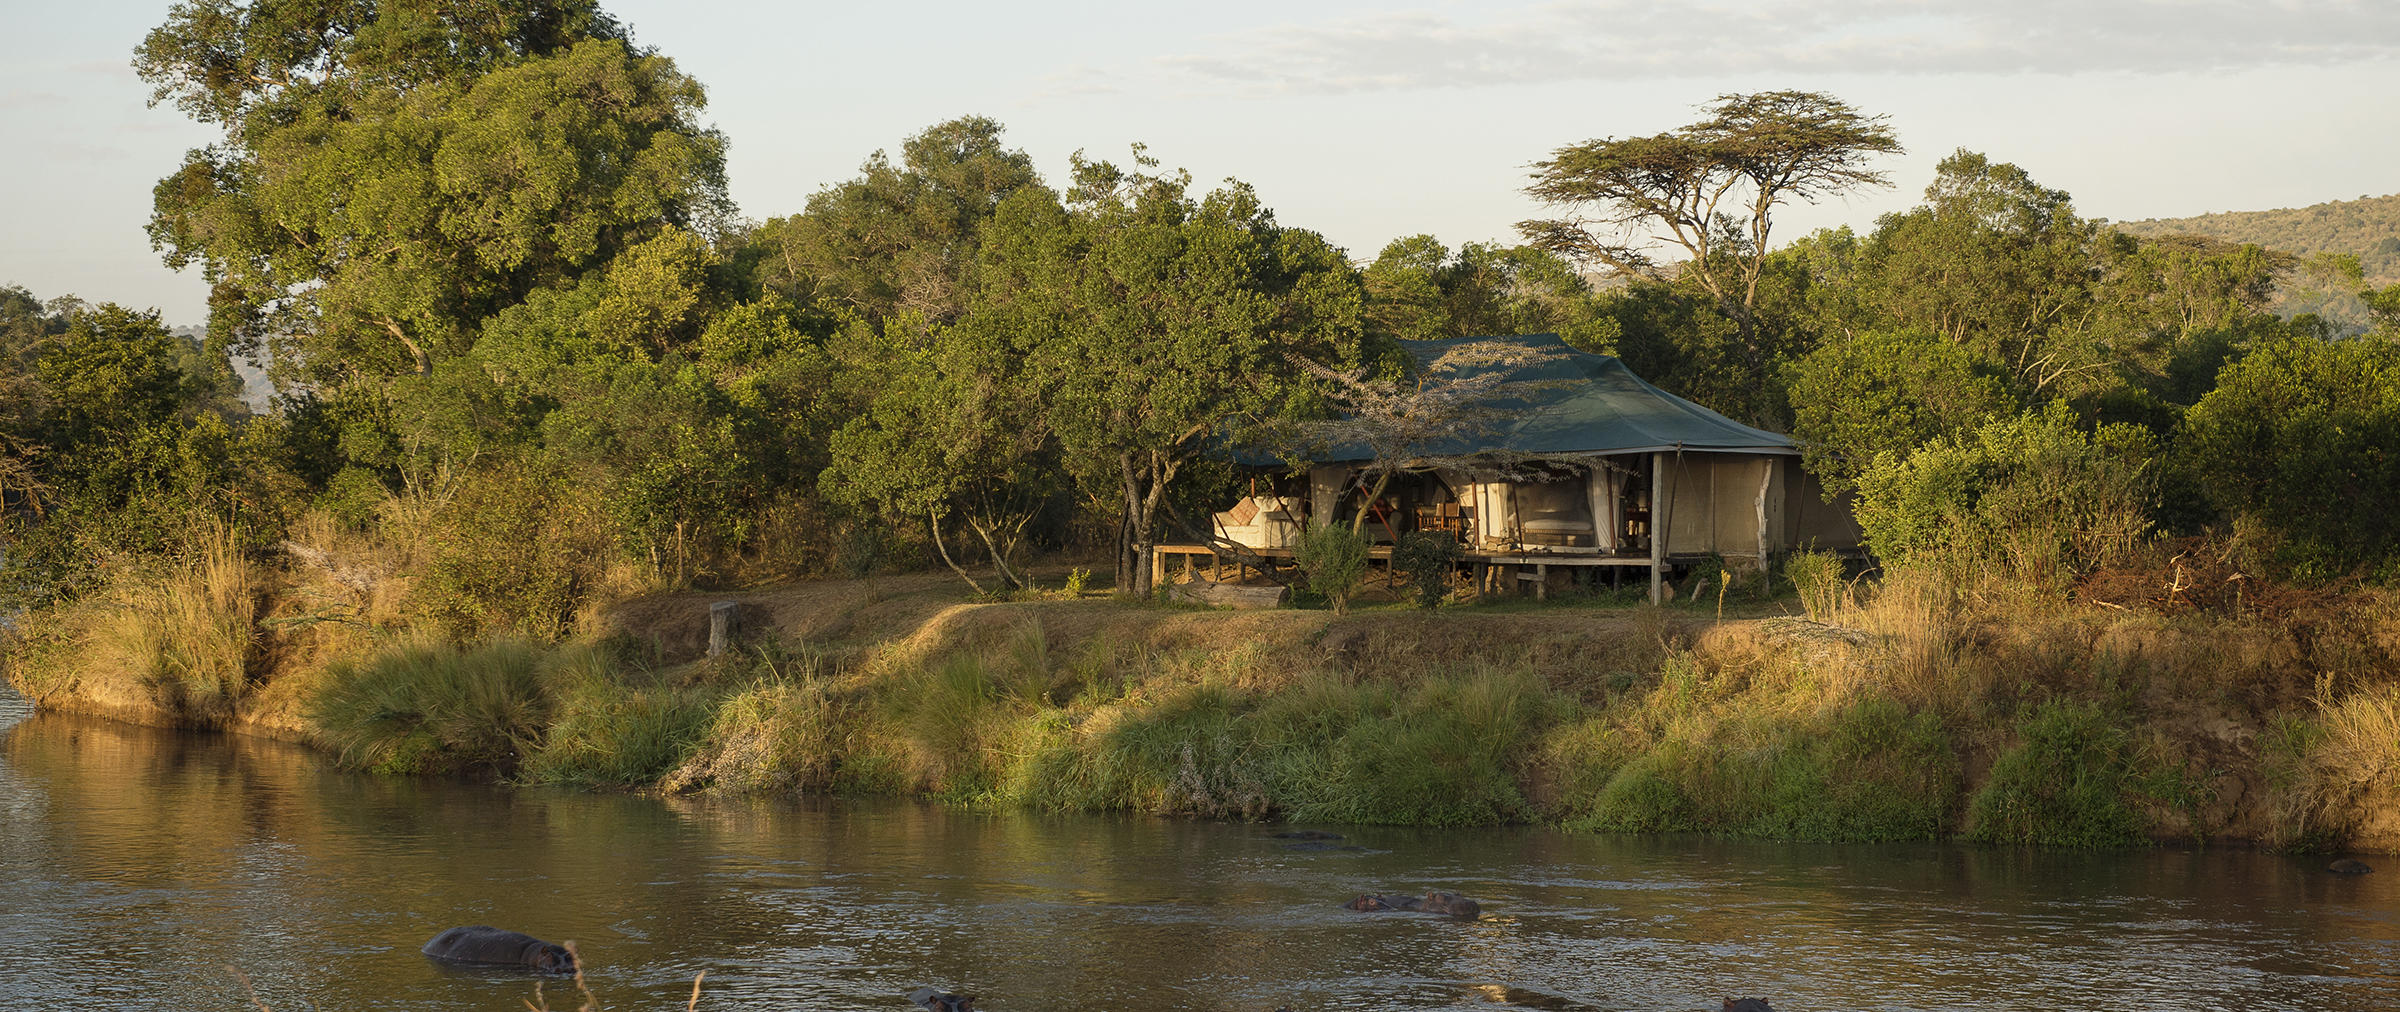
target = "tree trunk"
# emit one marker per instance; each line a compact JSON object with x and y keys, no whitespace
{"x":1231,"y":595}
{"x":934,"y":521}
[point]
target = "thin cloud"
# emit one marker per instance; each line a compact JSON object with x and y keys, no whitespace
{"x":1603,"y":40}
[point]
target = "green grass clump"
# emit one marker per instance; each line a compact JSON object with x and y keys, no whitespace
{"x":771,"y":737}
{"x":425,"y":706}
{"x":1880,"y":772}
{"x":1871,"y":771}
{"x":2065,"y":784}
{"x":605,"y":732}
{"x":1445,"y":753}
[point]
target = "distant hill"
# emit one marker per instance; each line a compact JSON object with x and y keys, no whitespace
{"x":2368,"y":227}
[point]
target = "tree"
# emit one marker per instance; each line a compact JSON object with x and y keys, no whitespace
{"x":1857,"y":397}
{"x":2301,"y":439}
{"x":952,"y":428}
{"x":2035,"y":497}
{"x":393,"y":173}
{"x":1415,"y":422}
{"x":1713,"y":186}
{"x":897,"y":238}
{"x":1157,"y":323}
{"x":1418,"y":290}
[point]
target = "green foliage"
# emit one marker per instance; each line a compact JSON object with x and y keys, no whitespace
{"x":1857,"y":397}
{"x":1154,"y":320}
{"x":1873,"y":770}
{"x":2302,"y":440}
{"x":773,"y":737}
{"x":898,"y":239}
{"x":1417,"y":290}
{"x":508,"y":548}
{"x":1334,"y":557}
{"x":1427,"y":558}
{"x":1442,"y":755}
{"x":1821,"y":582}
{"x":606,"y":731}
{"x":2034,"y":497}
{"x":2068,"y":782}
{"x":425,"y":706}
{"x":1443,"y":752}
{"x":434,"y":168}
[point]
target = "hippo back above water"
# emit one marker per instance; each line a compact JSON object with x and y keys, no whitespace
{"x":492,"y":946}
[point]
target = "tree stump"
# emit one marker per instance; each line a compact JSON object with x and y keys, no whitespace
{"x":1231,"y":595}
{"x":722,"y":624}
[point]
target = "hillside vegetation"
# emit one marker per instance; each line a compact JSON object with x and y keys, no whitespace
{"x":2367,"y":228}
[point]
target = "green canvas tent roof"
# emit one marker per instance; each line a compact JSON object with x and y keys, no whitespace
{"x":1596,"y":406}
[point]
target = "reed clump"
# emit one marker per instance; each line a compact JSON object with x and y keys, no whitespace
{"x":176,"y":643}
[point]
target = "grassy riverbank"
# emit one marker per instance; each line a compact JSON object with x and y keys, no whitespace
{"x":1913,"y":709}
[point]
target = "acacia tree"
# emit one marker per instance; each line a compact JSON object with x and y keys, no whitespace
{"x":1417,"y":422}
{"x":1709,"y":188}
{"x":393,"y":172}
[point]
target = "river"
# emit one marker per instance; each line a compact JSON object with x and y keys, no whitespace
{"x":140,"y":864}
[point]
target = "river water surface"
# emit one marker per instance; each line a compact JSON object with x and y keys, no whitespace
{"x":139,"y":864}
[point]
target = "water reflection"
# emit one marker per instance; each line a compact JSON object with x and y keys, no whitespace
{"x":139,"y":863}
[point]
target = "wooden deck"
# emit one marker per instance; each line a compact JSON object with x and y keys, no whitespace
{"x":1490,"y":568}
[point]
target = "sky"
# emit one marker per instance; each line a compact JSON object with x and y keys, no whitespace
{"x":1365,"y":121}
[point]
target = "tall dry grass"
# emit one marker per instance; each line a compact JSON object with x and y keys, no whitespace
{"x":171,"y":644}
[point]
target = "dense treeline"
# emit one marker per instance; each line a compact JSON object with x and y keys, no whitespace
{"x":532,"y":371}
{"x":525,"y":347}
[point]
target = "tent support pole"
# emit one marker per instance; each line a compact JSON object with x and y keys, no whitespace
{"x":1658,"y":530}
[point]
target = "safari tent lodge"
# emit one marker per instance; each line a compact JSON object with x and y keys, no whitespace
{"x":1582,"y":473}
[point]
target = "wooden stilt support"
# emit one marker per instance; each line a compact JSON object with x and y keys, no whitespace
{"x":1658,"y":529}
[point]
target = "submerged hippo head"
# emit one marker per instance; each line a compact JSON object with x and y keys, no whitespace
{"x":487,"y":945}
{"x":1450,"y":903}
{"x":936,"y":1001}
{"x":1747,"y":1005}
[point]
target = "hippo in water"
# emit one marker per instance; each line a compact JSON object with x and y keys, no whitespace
{"x":489,"y":945}
{"x":936,"y":1001}
{"x":1451,"y":904}
{"x":1747,"y":1005}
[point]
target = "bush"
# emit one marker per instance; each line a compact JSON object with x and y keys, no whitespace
{"x":172,"y":643}
{"x":606,"y":733}
{"x":2034,"y":497}
{"x":1334,"y":558}
{"x":1426,"y":556}
{"x":508,"y":549}
{"x":2065,"y":784}
{"x":773,"y":737}
{"x":2302,"y":439}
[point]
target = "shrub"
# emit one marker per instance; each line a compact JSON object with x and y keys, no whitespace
{"x":1426,"y":556}
{"x":606,"y":733}
{"x":772,"y":737}
{"x":1334,"y":557}
{"x":2064,"y":784}
{"x":2033,"y":497}
{"x":2302,"y":438}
